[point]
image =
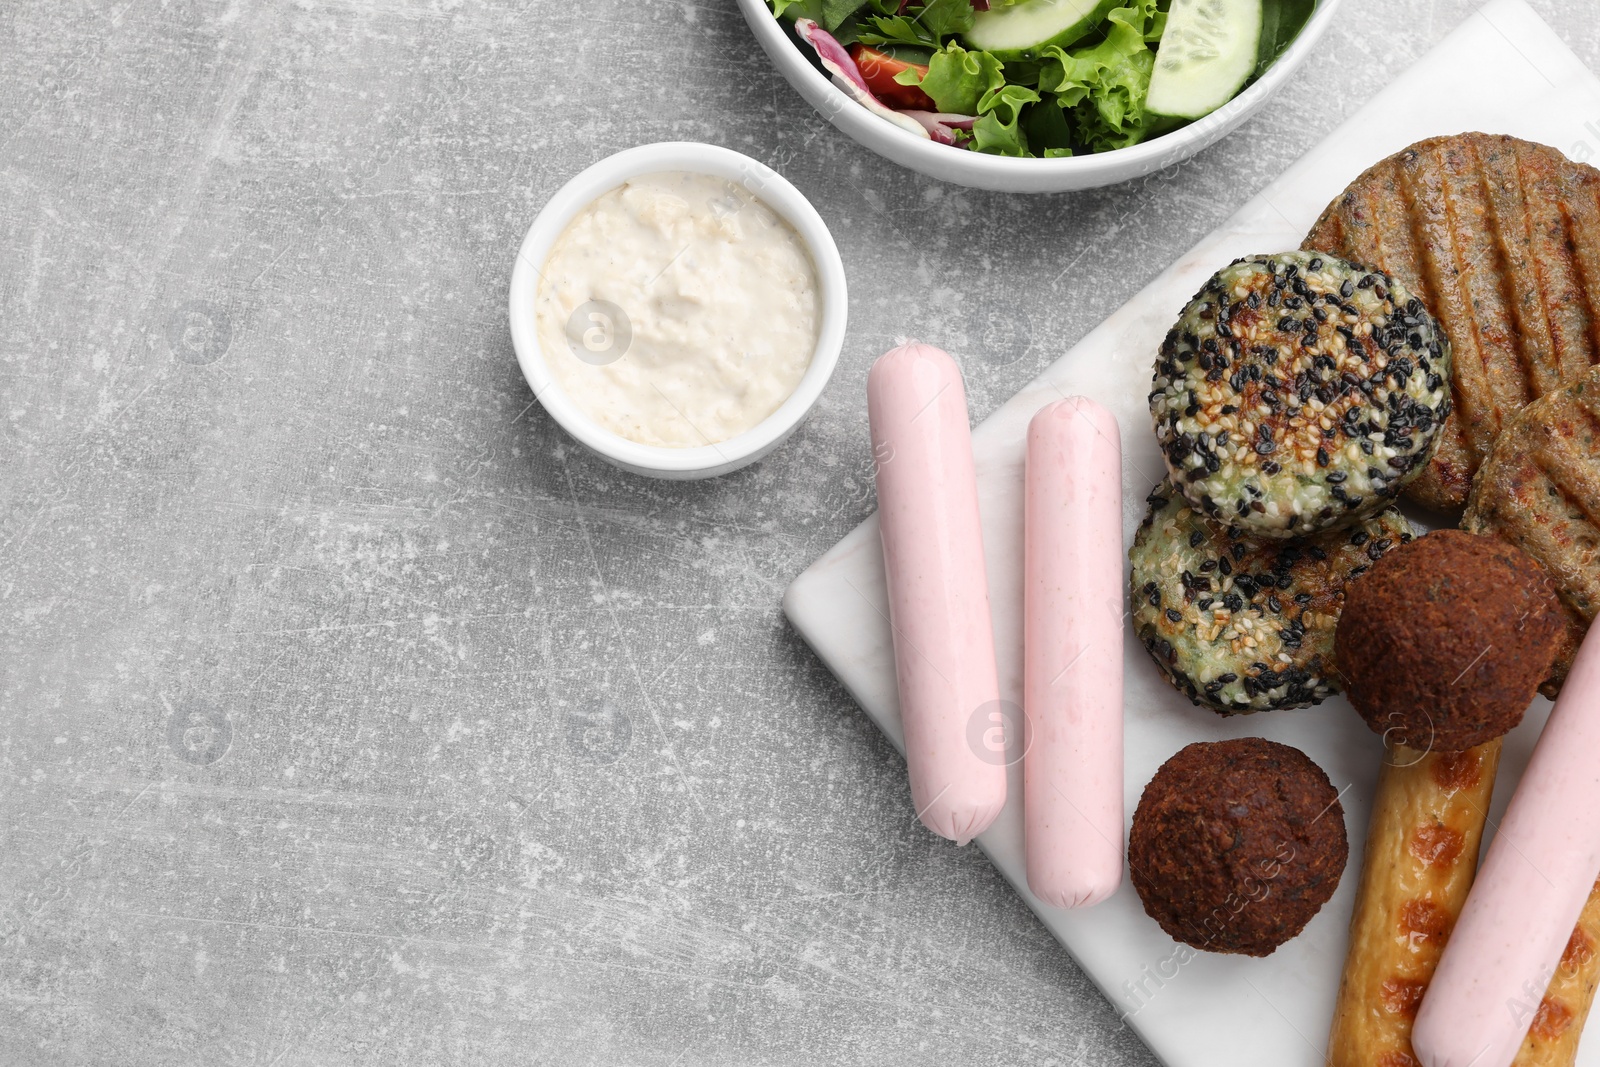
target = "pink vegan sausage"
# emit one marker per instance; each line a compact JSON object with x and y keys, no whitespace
{"x":1538,"y":873}
{"x":1072,"y":659}
{"x":938,"y":590}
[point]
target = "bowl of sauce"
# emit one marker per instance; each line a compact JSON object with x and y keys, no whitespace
{"x":678,"y":309}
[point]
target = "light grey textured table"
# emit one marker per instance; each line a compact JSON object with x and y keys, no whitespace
{"x":349,"y":713}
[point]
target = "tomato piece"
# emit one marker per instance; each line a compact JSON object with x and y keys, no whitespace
{"x":878,"y":70}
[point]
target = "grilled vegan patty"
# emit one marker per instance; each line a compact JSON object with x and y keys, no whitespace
{"x":1241,"y":623}
{"x":1299,"y":392}
{"x":1500,"y":239}
{"x":1540,"y":490}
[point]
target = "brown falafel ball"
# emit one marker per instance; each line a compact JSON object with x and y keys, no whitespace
{"x":1237,"y":844}
{"x":1443,"y":644}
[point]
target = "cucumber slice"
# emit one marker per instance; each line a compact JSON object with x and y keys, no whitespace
{"x":1207,"y":53}
{"x":1028,"y":26}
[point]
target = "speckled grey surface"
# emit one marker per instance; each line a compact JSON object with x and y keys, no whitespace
{"x":349,"y":713}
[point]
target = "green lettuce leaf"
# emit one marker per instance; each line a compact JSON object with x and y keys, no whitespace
{"x":1045,"y":123}
{"x":831,"y":14}
{"x":999,"y":126}
{"x":957,"y":79}
{"x":943,"y":17}
{"x":1103,"y":85}
{"x":923,"y":26}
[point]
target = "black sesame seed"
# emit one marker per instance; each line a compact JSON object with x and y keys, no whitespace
{"x":1173,"y":615}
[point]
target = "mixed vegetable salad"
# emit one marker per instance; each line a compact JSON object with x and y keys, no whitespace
{"x":1044,"y":78}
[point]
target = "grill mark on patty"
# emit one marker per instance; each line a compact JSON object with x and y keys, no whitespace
{"x":1536,"y":538}
{"x":1571,"y":475}
{"x":1517,"y":285}
{"x":1581,"y":216}
{"x":1552,"y":287}
{"x":1471,"y":365}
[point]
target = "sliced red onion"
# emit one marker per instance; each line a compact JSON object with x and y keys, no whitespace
{"x":847,"y":76}
{"x":941,"y":126}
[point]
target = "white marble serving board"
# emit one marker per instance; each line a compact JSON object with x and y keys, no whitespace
{"x":1503,"y":71}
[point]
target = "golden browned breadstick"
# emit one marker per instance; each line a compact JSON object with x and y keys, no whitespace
{"x":1422,"y":853}
{"x":1556,"y":1022}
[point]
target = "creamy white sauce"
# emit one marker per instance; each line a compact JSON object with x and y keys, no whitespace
{"x":718,"y":303}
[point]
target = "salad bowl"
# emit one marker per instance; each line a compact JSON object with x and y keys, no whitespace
{"x":1020,"y":175}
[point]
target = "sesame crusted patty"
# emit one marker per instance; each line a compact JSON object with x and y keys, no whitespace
{"x":1242,"y":623}
{"x":1299,"y":392}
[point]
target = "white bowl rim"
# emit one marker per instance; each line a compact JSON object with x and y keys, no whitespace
{"x":773,"y":190}
{"x":978,"y":166}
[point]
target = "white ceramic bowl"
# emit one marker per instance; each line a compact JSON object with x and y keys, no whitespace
{"x":771,"y":189}
{"x":1006,"y":174}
